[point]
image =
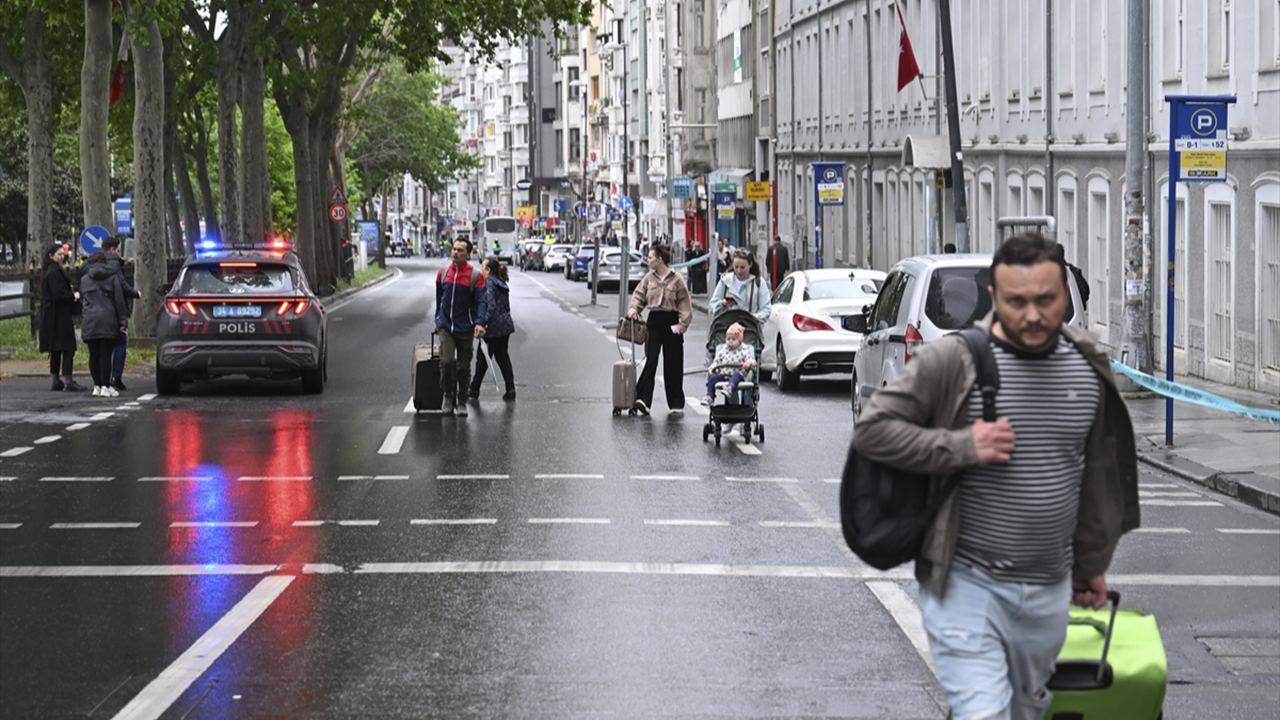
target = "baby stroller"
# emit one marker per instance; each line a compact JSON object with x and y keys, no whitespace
{"x":741,"y":408}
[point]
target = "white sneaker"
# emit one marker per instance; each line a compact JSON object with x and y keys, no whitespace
{"x":108,"y":391}
{"x":97,"y":391}
{"x":706,"y":400}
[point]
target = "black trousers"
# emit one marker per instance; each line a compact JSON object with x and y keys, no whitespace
{"x":499,"y":348}
{"x":63,"y":359}
{"x":671,"y":346}
{"x":100,"y":360}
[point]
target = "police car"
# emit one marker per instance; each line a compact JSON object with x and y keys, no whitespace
{"x":242,"y":311}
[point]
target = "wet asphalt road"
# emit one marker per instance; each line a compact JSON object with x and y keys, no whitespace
{"x":243,"y":550}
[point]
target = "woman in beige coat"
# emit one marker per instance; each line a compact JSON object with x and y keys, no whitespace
{"x":663,"y":292}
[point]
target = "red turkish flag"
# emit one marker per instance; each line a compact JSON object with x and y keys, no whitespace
{"x":117,"y":84}
{"x":908,"y":70}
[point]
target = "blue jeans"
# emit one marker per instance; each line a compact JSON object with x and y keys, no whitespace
{"x":995,"y":643}
{"x":117,"y":356}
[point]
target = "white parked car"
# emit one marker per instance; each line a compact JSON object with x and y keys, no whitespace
{"x":556,"y":257}
{"x":805,"y":333}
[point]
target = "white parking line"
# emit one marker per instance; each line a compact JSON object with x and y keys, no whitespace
{"x":473,"y":477}
{"x":1249,"y":531}
{"x":567,"y":476}
{"x":15,"y":452}
{"x":694,"y":523}
{"x":569,"y":521}
{"x":274,"y":478}
{"x":96,"y":526}
{"x":372,"y":477}
{"x":162,"y":692}
{"x":1179,"y":503}
{"x":77,"y":426}
{"x":1164,"y":530}
{"x":395,"y":439}
{"x":47,"y":439}
{"x":215,"y":524}
{"x":454,"y":521}
{"x":158,"y":478}
{"x":102,"y":478}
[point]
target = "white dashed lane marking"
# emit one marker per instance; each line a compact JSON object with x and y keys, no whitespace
{"x":568,"y":476}
{"x":1249,"y":531}
{"x":569,"y":521}
{"x":47,"y":439}
{"x":10,"y":526}
{"x":395,"y":439}
{"x":96,"y":526}
{"x":454,"y":521}
{"x":77,"y":426}
{"x":473,"y":477}
{"x":1163,"y":530}
{"x":215,"y":524}
{"x":372,"y":477}
{"x":201,"y":478}
{"x":665,"y":477}
{"x":101,"y":478}
{"x":276,"y":478}
{"x":15,"y":452}
{"x":694,"y":523}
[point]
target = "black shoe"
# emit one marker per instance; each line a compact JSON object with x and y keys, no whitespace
{"x":509,"y":396}
{"x":57,"y":385}
{"x":642,"y":407}
{"x":73,"y":386}
{"x":118,"y":384}
{"x":475,"y":391}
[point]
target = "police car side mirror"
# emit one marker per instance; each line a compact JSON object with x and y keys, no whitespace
{"x":163,"y":289}
{"x":325,"y":290}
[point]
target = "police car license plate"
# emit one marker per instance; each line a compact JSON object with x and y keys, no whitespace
{"x":237,"y":311}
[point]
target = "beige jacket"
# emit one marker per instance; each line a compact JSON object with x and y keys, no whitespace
{"x":919,"y":423}
{"x":652,"y":293}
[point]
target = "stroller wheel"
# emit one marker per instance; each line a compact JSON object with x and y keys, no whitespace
{"x":616,"y":412}
{"x":760,"y":432}
{"x":706,"y":432}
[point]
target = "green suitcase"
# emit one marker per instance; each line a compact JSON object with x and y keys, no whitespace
{"x":1112,"y":665}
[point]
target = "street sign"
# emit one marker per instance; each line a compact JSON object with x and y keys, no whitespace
{"x":92,"y":237}
{"x":124,"y":215}
{"x":523,"y":184}
{"x":337,"y":213}
{"x":625,"y":202}
{"x":727,"y":187}
{"x":829,"y":178}
{"x":582,"y":211}
{"x":524,"y":212}
{"x":758,"y":192}
{"x":681,"y":188}
{"x":338,"y":197}
{"x":724,"y":204}
{"x":1201,"y":142}
{"x":559,"y":205}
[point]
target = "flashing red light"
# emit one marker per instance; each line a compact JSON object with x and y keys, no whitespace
{"x":804,"y":323}
{"x":239,"y":264}
{"x":913,"y":341}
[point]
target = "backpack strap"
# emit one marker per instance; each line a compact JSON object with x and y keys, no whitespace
{"x":475,"y":278}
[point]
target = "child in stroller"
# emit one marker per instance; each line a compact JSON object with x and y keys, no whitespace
{"x":737,"y":339}
{"x":733,"y":357}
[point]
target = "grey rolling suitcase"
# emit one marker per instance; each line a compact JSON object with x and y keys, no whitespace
{"x":426,"y":377}
{"x":624,"y":373}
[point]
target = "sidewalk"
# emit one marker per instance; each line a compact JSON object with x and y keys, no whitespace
{"x":1236,"y":456}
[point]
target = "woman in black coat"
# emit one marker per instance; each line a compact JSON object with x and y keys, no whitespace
{"x":105,"y":317}
{"x":57,"y":324}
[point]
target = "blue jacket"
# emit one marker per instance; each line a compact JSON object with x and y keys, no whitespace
{"x":460,"y":298}
{"x":498,"y":304}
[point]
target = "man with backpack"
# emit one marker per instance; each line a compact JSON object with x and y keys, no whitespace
{"x":111,"y":246}
{"x":1043,"y":494}
{"x":461,"y":313}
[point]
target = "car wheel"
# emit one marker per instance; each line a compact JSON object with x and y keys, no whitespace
{"x":787,"y":380}
{"x":168,"y":382}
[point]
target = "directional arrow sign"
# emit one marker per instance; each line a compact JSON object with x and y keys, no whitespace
{"x":625,"y":203}
{"x":92,"y":237}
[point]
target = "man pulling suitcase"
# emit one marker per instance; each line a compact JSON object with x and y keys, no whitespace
{"x":461,"y":313}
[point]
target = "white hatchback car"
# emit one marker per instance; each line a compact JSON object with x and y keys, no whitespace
{"x":925,"y":298}
{"x":556,"y":257}
{"x":805,"y":333}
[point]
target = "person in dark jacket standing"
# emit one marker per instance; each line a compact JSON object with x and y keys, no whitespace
{"x":57,"y":321}
{"x":778,"y":261}
{"x":498,"y":330}
{"x":461,"y":312}
{"x":105,"y":317}
{"x":111,"y":247}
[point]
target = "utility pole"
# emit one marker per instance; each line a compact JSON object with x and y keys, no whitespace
{"x":1135,"y":343}
{"x":953,"y":123}
{"x":666,"y":91}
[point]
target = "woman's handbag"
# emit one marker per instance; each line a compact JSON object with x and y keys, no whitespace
{"x":633,"y":331}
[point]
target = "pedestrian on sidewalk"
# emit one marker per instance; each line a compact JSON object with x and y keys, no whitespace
{"x":106,"y":317}
{"x":57,"y":318}
{"x":1044,"y":493}
{"x":498,"y":330}
{"x":778,"y":261}
{"x":461,"y":312}
{"x":111,"y":246}
{"x":662,"y":291}
{"x":698,"y":271}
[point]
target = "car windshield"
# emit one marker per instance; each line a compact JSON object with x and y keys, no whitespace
{"x":237,"y":279}
{"x":842,"y":289}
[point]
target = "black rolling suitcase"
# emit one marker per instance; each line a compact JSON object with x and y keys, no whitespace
{"x":425,"y":377}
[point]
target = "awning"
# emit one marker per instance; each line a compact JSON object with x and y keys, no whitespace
{"x":927,"y":151}
{"x":653,"y":207}
{"x":737,"y":176}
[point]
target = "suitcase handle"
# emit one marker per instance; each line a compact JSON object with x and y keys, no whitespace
{"x":1114,"y":597}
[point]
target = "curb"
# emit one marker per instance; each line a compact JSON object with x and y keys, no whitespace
{"x":1246,"y":487}
{"x":337,"y":297}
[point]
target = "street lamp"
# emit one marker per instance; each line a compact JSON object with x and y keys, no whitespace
{"x":585,"y":198}
{"x":624,"y":281}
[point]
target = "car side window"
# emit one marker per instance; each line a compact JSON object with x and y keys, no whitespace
{"x":904,"y":301}
{"x":885,"y":312}
{"x":782,"y":295}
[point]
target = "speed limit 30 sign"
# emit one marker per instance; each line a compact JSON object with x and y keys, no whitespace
{"x":338,"y":213}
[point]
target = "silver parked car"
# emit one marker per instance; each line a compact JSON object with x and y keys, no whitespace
{"x":610,"y":274}
{"x":922,"y":299}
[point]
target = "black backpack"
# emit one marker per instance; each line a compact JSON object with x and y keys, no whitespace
{"x":884,"y":512}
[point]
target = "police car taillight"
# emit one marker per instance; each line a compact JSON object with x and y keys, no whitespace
{"x":299,"y":306}
{"x":176,"y":307}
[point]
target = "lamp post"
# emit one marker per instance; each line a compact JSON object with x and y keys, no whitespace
{"x":585,"y":198}
{"x":624,"y":282}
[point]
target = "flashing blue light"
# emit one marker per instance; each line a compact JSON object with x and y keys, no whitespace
{"x":209,"y":245}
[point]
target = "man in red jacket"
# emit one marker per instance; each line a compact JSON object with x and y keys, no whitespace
{"x":461,"y":313}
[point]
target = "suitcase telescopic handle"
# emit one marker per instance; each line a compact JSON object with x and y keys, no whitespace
{"x":1114,"y":597}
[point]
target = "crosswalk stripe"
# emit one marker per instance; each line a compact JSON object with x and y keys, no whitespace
{"x":1249,"y":531}
{"x":395,"y":439}
{"x":148,"y":396}
{"x":15,"y":452}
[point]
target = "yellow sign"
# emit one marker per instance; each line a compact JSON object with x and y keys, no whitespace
{"x":725,"y":213}
{"x":1203,"y":165}
{"x":831,"y":194}
{"x":758,"y":192}
{"x":524,"y":212}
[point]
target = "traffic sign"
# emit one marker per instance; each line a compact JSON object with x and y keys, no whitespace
{"x":758,"y":192}
{"x":625,"y":202}
{"x":92,"y":237}
{"x":681,"y":188}
{"x":337,"y":213}
{"x":829,"y":178}
{"x":1201,"y":141}
{"x":337,"y":198}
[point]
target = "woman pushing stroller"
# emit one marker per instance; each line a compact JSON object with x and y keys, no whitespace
{"x":742,"y":289}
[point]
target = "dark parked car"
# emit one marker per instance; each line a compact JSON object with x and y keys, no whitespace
{"x":580,"y":262}
{"x":241,"y":312}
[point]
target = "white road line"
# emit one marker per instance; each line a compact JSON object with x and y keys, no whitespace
{"x":906,"y":614}
{"x":102,"y":478}
{"x":696,"y":406}
{"x":8,"y":479}
{"x":134,"y":570}
{"x":743,"y":445}
{"x":148,"y":396}
{"x":694,"y":523}
{"x":102,"y":416}
{"x":762,"y":480}
{"x":15,"y":452}
{"x":818,"y":514}
{"x":1164,"y":530}
{"x":1179,"y":503}
{"x":1196,"y":580}
{"x":372,"y":477}
{"x":802,"y":524}
{"x":214,"y":524}
{"x":359,"y":523}
{"x":1249,"y":531}
{"x":77,"y":426}
{"x":1151,"y":494}
{"x":409,"y":408}
{"x":307,"y":523}
{"x":569,"y":521}
{"x":454,"y":521}
{"x":395,"y":439}
{"x":95,"y":526}
{"x":532,"y":566}
{"x":665,"y":477}
{"x":831,"y":481}
{"x":161,"y":478}
{"x":473,"y":477}
{"x":567,"y":476}
{"x":162,"y":692}
{"x":10,"y":526}
{"x":47,"y":439}
{"x":1142,"y":486}
{"x":274,"y":478}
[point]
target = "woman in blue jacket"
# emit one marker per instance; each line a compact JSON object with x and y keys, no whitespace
{"x":498,"y":330}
